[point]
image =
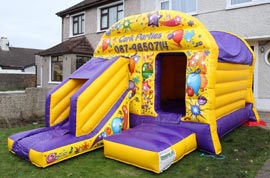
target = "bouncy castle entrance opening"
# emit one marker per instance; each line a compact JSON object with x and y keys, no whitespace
{"x":170,"y":82}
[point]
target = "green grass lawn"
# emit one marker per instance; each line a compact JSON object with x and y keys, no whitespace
{"x":245,"y":151}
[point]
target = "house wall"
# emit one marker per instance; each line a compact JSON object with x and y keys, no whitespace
{"x":247,"y":22}
{"x":38,"y":62}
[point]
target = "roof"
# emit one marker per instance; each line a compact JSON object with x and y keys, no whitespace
{"x":83,"y":5}
{"x":18,"y":58}
{"x":75,"y":45}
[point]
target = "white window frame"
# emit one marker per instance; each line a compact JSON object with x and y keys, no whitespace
{"x":50,"y":72}
{"x":245,"y":4}
{"x":266,"y":57}
{"x":71,"y":24}
{"x":163,"y":2}
{"x":105,"y":6}
{"x":170,"y":7}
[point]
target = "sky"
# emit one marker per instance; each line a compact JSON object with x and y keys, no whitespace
{"x":32,"y":23}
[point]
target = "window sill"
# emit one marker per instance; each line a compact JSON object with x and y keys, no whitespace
{"x":71,"y":36}
{"x":52,"y":82}
{"x":247,"y":4}
{"x":102,"y":31}
{"x":192,"y":13}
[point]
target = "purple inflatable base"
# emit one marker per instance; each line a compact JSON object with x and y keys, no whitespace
{"x":203,"y":134}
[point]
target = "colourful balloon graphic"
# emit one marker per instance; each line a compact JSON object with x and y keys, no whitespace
{"x":147,"y":70}
{"x":117,"y":125}
{"x":194,"y":81}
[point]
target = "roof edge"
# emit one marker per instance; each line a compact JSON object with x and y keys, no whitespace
{"x":80,"y":7}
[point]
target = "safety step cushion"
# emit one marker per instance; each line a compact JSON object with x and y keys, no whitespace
{"x":150,"y":146}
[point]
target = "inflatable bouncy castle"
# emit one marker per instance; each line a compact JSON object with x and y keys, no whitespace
{"x":159,"y":86}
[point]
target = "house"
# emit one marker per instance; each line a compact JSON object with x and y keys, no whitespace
{"x":17,"y":66}
{"x":89,"y":19}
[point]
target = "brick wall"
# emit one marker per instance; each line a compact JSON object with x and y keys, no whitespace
{"x":17,"y":81}
{"x":17,"y":109}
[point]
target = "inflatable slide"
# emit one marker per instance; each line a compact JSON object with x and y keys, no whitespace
{"x":88,"y":106}
{"x":159,"y":86}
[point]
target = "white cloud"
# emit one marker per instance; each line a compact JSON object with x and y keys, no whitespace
{"x":32,"y":23}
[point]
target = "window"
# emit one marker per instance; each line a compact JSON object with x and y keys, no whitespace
{"x":165,"y":5}
{"x":110,"y":15}
{"x":239,"y":1}
{"x":187,"y":6}
{"x":78,"y":24}
{"x":56,"y":69}
{"x":244,"y":3}
{"x":80,"y":60}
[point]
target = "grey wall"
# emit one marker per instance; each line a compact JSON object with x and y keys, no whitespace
{"x":20,"y":108}
{"x":17,"y":81}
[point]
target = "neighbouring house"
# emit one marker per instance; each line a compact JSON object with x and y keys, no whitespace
{"x":58,"y":62}
{"x":89,"y":19}
{"x":17,"y":67}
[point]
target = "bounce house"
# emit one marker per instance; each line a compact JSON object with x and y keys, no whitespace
{"x":159,"y":86}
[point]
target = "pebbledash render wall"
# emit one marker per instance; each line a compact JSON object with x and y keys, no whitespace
{"x":22,"y":107}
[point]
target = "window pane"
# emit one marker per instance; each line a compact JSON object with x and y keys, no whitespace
{"x":184,"y":5}
{"x":239,"y":1}
{"x":112,"y":15}
{"x":120,"y":7}
{"x":165,"y":5}
{"x":75,"y":30}
{"x":80,"y":60}
{"x":104,"y":11}
{"x":79,"y":28}
{"x":82,"y":25}
{"x":56,"y":69}
{"x":104,"y":23}
{"x":120,"y":15}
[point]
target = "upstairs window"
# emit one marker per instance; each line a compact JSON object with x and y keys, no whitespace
{"x":239,"y":1}
{"x":165,"y":5}
{"x":81,"y":60}
{"x":187,"y":6}
{"x":244,"y":3}
{"x":56,"y":69}
{"x":110,"y":14}
{"x":78,"y":24}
